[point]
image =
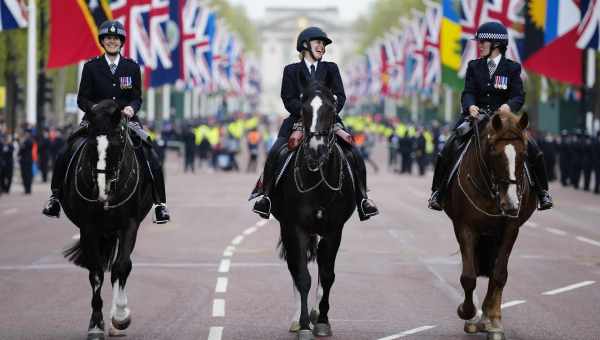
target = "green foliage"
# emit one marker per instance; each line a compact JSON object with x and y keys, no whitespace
{"x":238,"y":21}
{"x":381,"y":17}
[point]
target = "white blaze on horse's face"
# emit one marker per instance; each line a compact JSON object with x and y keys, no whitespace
{"x":317,"y":140}
{"x":511,"y":155}
{"x":102,"y":147}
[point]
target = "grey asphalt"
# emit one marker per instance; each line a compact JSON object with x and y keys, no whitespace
{"x":397,"y":272}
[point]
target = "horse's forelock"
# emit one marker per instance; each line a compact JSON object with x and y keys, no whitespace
{"x":510,"y":128}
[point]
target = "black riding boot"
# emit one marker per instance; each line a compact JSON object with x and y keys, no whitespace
{"x":161,"y":213}
{"x":540,"y":177}
{"x":263,"y":206}
{"x":52,"y":207}
{"x":441,"y":172}
{"x":365,"y":206}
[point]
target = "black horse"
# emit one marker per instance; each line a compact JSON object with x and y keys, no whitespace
{"x":106,"y":193}
{"x":314,"y":199}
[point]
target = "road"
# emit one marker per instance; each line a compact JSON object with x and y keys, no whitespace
{"x":213,"y":273}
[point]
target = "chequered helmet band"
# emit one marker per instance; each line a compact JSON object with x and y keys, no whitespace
{"x":492,"y":36}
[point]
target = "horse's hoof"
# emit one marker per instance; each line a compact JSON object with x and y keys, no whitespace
{"x":471,"y":328}
{"x":95,"y":334}
{"x":322,"y":329}
{"x":314,"y":316}
{"x":294,"y":327}
{"x":305,"y":334}
{"x":115,"y":333}
{"x":496,"y":336}
{"x":467,"y":314}
{"x":123,"y":324}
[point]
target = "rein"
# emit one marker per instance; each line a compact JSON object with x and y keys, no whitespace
{"x":322,"y":180}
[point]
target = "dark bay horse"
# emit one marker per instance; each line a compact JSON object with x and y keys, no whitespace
{"x":106,"y":194}
{"x":314,"y":200}
{"x":490,"y":198}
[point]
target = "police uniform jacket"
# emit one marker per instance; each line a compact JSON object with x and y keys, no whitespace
{"x":98,"y":83}
{"x":489,"y":93}
{"x":296,"y":77}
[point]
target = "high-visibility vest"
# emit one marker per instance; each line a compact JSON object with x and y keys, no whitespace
{"x":428,"y":142}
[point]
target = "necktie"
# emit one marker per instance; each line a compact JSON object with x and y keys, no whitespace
{"x":113,"y":68}
{"x":491,"y":67}
{"x":312,"y":71}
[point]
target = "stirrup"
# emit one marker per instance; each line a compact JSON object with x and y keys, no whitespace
{"x":363,"y":210}
{"x":164,"y":219}
{"x":264,"y":214}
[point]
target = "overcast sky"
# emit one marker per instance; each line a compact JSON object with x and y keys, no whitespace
{"x":349,"y":9}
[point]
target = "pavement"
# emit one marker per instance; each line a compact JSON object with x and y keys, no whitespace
{"x":213,"y":272}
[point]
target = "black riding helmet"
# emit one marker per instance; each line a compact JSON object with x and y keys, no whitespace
{"x":308,"y":34}
{"x":112,"y":27}
{"x":495,"y":33}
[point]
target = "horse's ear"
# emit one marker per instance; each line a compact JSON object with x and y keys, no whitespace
{"x":497,"y":122}
{"x":524,"y":121}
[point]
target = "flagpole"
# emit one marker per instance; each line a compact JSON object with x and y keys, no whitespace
{"x":166,"y":102}
{"x":151,"y":108}
{"x":31,"y":65}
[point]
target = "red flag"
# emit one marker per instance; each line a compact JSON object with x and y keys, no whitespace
{"x":74,"y":31}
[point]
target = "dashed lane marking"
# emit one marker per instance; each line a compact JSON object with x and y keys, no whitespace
{"x":588,"y":241}
{"x":237,"y":240}
{"x":229,"y":251}
{"x":512,"y":303}
{"x":218,"y":308}
{"x":221,"y":285}
{"x":215,"y":333}
{"x":250,"y":230}
{"x":10,"y":211}
{"x":531,"y":224}
{"x":224,"y":266}
{"x":569,"y":288}
{"x":76,"y":237}
{"x":556,"y":231}
{"x":409,"y":332}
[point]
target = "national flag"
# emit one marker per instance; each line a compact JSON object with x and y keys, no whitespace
{"x":165,"y":62}
{"x":551,"y":33}
{"x":589,"y":28}
{"x":74,"y":30}
{"x":450,"y":45}
{"x":13,"y":14}
{"x":135,"y":16}
{"x":432,"y":63}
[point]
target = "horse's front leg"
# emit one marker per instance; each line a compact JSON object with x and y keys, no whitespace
{"x":296,"y":243}
{"x":493,"y":298}
{"x":119,"y":312}
{"x":468,"y":278}
{"x":327,"y":252}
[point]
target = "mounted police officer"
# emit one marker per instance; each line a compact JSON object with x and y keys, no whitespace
{"x":492,"y":83}
{"x":311,"y":45}
{"x":111,"y":76}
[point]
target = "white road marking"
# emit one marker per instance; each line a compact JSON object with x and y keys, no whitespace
{"x":409,"y":332}
{"x":587,"y":240}
{"x":218,"y":308}
{"x":237,"y":240}
{"x":215,"y":333}
{"x":512,"y":303}
{"x":556,"y":231}
{"x":250,"y":230}
{"x":568,"y":288}
{"x":262,"y":223}
{"x":531,"y":224}
{"x":229,"y":251}
{"x":393,"y":233}
{"x":10,"y":211}
{"x":76,"y":237}
{"x":221,"y":285}
{"x":224,"y":266}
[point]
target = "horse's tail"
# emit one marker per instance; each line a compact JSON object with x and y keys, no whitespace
{"x":487,"y":252}
{"x":311,"y":250}
{"x":108,"y":251}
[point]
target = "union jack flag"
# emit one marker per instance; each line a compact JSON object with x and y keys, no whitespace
{"x":197,"y":32}
{"x":13,"y":14}
{"x":589,"y":29}
{"x":433,"y":70}
{"x":135,"y":16}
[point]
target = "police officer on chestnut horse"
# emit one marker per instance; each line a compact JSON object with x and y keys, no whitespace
{"x":111,"y":76}
{"x":311,"y":45}
{"x":492,"y":83}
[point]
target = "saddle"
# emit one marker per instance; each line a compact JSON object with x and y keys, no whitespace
{"x":121,"y":180}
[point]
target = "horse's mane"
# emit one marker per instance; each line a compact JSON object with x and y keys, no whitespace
{"x":315,"y":88}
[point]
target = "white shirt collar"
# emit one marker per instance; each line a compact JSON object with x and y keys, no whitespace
{"x":116,"y":62}
{"x":496,"y":60}
{"x":316,"y":63}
